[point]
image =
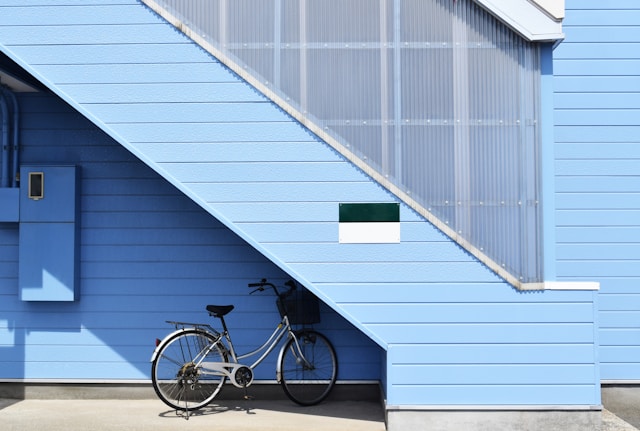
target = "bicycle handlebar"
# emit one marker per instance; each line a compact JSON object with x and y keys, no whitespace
{"x":264,"y":283}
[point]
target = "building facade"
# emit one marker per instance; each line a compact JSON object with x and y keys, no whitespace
{"x":163,"y":180}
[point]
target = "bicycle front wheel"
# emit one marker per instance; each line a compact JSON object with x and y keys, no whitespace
{"x":179,"y":373}
{"x":308,"y":368}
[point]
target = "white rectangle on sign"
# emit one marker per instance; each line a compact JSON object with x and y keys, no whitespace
{"x":369,"y":233}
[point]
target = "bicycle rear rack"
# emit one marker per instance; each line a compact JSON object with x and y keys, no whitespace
{"x":188,"y":325}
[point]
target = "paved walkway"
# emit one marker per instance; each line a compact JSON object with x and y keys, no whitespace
{"x":236,"y":415}
{"x":152,"y":415}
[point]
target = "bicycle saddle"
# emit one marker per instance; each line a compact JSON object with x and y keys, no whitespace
{"x":219,"y":310}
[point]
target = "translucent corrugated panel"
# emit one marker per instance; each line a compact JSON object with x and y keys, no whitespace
{"x":437,"y":96}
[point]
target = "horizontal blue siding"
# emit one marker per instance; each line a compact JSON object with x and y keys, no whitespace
{"x":597,"y":153}
{"x":277,"y":186}
{"x":148,"y":254}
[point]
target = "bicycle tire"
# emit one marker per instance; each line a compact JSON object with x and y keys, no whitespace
{"x":308,"y":385}
{"x":177,"y":381}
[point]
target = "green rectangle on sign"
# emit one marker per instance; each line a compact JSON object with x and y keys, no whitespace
{"x":369,"y":212}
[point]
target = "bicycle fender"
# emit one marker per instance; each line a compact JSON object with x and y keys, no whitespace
{"x":166,"y":339}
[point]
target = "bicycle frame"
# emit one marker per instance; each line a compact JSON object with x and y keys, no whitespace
{"x":229,"y":369}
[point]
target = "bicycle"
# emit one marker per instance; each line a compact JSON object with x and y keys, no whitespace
{"x":190,"y":365}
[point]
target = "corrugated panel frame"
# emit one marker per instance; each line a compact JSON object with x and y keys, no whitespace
{"x":393,"y":86}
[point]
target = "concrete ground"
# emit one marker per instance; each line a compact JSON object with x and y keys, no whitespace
{"x":52,"y":409}
{"x":147,"y":415}
{"x":624,"y":402}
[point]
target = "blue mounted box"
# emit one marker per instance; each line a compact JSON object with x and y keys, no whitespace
{"x":9,"y":204}
{"x":48,"y":244}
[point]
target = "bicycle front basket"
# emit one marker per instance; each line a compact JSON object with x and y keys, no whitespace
{"x":301,"y":306}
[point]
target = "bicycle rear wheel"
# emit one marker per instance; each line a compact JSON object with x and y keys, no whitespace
{"x":177,"y":380}
{"x":308,"y":374}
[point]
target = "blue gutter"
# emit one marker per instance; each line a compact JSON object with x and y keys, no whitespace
{"x":4,"y":178}
{"x":16,"y":129}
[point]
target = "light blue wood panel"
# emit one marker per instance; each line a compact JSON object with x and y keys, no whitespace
{"x":470,"y":313}
{"x":597,"y":134}
{"x":495,"y":354}
{"x":52,"y":33}
{"x":148,"y":236}
{"x":599,"y":50}
{"x":620,"y":302}
{"x":596,"y":67}
{"x":129,"y":202}
{"x":137,"y":73}
{"x":615,"y":354}
{"x":494,"y":374}
{"x":183,"y":253}
{"x":629,"y":336}
{"x":409,"y":272}
{"x":609,"y":34}
{"x":132,"y":271}
{"x":597,"y":184}
{"x":612,"y":201}
{"x":599,"y":234}
{"x":225,"y":150}
{"x":596,"y":167}
{"x":232,"y":172}
{"x":597,"y":217}
{"x":147,"y":220}
{"x":595,"y":117}
{"x":85,"y":371}
{"x":596,"y":100}
{"x":9,"y":271}
{"x":187,"y":112}
{"x":69,"y":15}
{"x":601,"y":17}
{"x":495,"y":395}
{"x":13,"y":3}
{"x":101,"y":54}
{"x":596,"y":151}
{"x":606,"y":84}
{"x":621,"y":268}
{"x":594,"y":251}
{"x":161,"y":93}
{"x":127,"y":186}
{"x":618,"y":318}
{"x":517,"y":333}
{"x":215,"y":132}
{"x":449,"y":292}
{"x":275,"y":193}
{"x":599,"y":5}
{"x":334,"y":252}
{"x":70,"y":353}
{"x":619,"y":371}
{"x":243,"y":212}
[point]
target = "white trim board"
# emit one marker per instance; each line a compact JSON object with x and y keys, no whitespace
{"x":527,"y":18}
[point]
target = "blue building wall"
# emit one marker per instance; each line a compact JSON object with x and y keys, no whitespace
{"x":148,"y":254}
{"x":597,"y":134}
{"x":451,"y":328}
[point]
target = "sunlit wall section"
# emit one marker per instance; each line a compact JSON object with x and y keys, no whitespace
{"x":437,"y":96}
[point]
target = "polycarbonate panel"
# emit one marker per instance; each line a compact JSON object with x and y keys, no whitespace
{"x":436,"y":95}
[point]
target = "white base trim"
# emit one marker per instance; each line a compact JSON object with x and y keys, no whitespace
{"x":465,"y":408}
{"x":571,"y":285}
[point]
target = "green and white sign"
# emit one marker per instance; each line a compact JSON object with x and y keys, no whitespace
{"x":369,"y":223}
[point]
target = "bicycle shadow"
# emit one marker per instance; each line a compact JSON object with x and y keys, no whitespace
{"x":354,"y":410}
{"x":211,"y":409}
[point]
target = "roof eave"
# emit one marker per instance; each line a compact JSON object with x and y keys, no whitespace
{"x":526,"y":18}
